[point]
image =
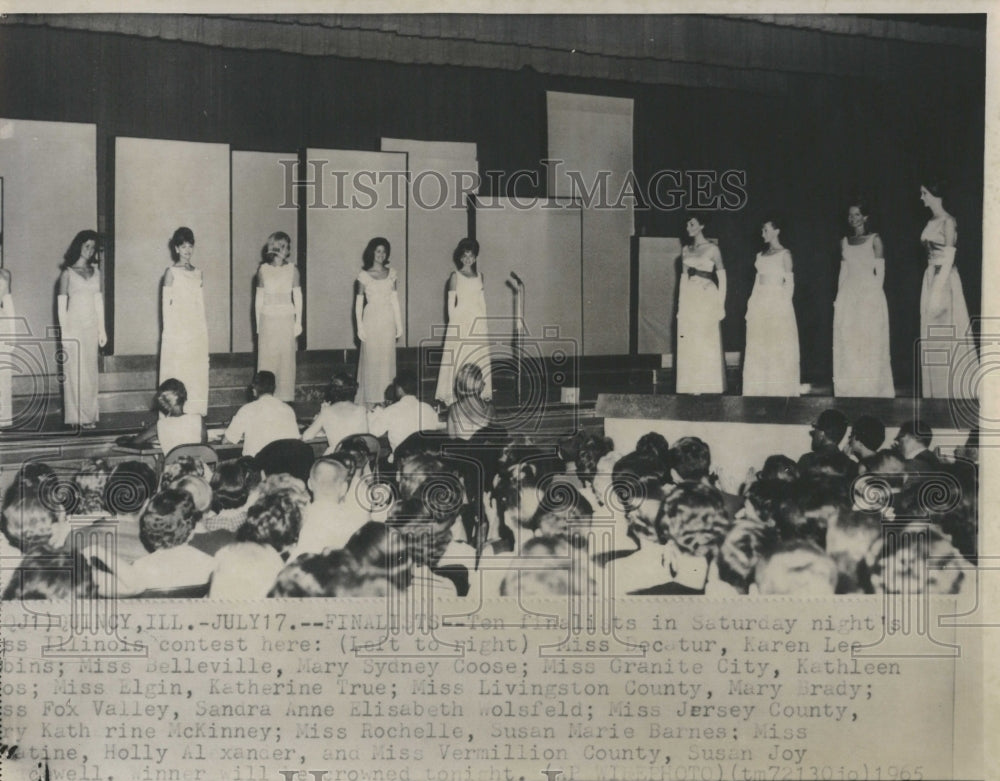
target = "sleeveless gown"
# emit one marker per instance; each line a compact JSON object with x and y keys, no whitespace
{"x":276,"y":337}
{"x":467,"y":338}
{"x":861,"y":363}
{"x":80,"y":345}
{"x":945,"y":333}
{"x":771,"y":357}
{"x":377,"y":361}
{"x":700,"y":365}
{"x":184,"y":343}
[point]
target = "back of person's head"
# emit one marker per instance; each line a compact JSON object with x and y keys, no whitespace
{"x":654,"y":445}
{"x":585,"y":449}
{"x":381,"y":552}
{"x":47,"y":573}
{"x":200,"y":490}
{"x":425,"y":533}
{"x":740,"y":550}
{"x":469,"y":381}
{"x":286,"y":456}
{"x":232,"y":483}
{"x":264,"y":382}
{"x":341,"y":388}
{"x":282,"y":483}
{"x":34,"y":478}
{"x":364,"y":448}
{"x":171,"y":396}
{"x":561,"y":507}
{"x":797,"y":567}
{"x":944,"y":500}
{"x":917,"y":429}
{"x":168,"y":520}
{"x":556,"y":579}
{"x":90,"y":481}
{"x":779,"y":467}
{"x":407,"y":383}
{"x":917,"y":559}
{"x":332,"y":573}
{"x":793,"y":520}
{"x":691,"y":458}
{"x":848,"y":542}
{"x":130,"y":485}
{"x":29,"y":523}
{"x":184,"y":465}
{"x":242,"y":571}
{"x":762,"y":498}
{"x":275,"y":519}
{"x":833,"y":424}
{"x":329,"y":477}
{"x":869,"y":431}
{"x":637,"y":467}
{"x":694,"y":518}
{"x":883,"y":462}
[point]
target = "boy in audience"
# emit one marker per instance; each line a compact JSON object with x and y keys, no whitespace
{"x":913,"y":443}
{"x":691,"y":459}
{"x":867,"y":436}
{"x":327,"y":522}
{"x":263,"y":420}
{"x":826,"y":434}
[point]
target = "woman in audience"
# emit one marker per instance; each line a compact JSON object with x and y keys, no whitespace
{"x":275,"y":519}
{"x":470,"y":412}
{"x":184,"y":341}
{"x":379,"y":322}
{"x":771,"y":357}
{"x":465,"y":341}
{"x":278,"y":313}
{"x":380,"y":551}
{"x":81,"y":323}
{"x":339,"y":416}
{"x":701,"y":308}
{"x":861,"y":364}
{"x":234,"y":489}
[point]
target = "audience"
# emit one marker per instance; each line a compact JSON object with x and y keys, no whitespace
{"x":406,"y":415}
{"x":913,"y":443}
{"x":339,"y":416}
{"x":866,"y":438}
{"x":825,"y":455}
{"x":262,"y":420}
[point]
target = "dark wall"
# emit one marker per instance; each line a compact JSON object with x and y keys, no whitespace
{"x":803,"y":152}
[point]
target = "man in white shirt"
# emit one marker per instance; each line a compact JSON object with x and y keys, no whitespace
{"x":263,"y":420}
{"x":407,"y":416}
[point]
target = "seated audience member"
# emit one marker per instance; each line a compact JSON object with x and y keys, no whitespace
{"x":848,"y":540}
{"x":565,"y":553}
{"x":173,"y":426}
{"x":732,"y":570}
{"x":262,"y":420}
{"x":166,"y":528}
{"x":804,"y":512}
{"x":866,"y":438}
{"x":691,"y":460}
{"x":234,"y":489}
{"x":880,"y":478}
{"x":826,"y":434}
{"x":426,"y":522}
{"x":582,"y":452}
{"x":470,"y":412}
{"x":779,"y":467}
{"x":275,"y":519}
{"x":286,"y":456}
{"x":244,"y":570}
{"x":182,"y":467}
{"x":28,"y":524}
{"x":46,"y":573}
{"x":689,"y":528}
{"x":338,"y":416}
{"x":381,"y":552}
{"x":562,"y":511}
{"x":796,"y":567}
{"x":328,"y":521}
{"x":334,"y":573}
{"x":520,"y":488}
{"x":404,"y":417}
{"x":913,"y":443}
{"x":90,"y":482}
{"x":35,"y":478}
{"x":948,"y":503}
{"x":918,"y":559}
{"x":208,"y":541}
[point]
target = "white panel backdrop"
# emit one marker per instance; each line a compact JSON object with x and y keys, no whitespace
{"x":49,"y":194}
{"x":658,"y":259}
{"x":258,"y":193}
{"x":542,"y":245}
{"x":593,"y":134}
{"x":340,"y":222}
{"x":160,"y":186}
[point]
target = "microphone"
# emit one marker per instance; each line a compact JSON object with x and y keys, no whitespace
{"x":517,"y":278}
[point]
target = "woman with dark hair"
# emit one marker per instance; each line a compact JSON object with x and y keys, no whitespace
{"x":380,"y":322}
{"x":944,"y":316}
{"x":184,"y":340}
{"x":278,"y":311}
{"x":339,"y":416}
{"x":861,"y":365}
{"x":173,"y":426}
{"x":771,"y":356}
{"x":81,"y":321}
{"x":466,"y":318}
{"x":701,"y":308}
{"x":234,"y":489}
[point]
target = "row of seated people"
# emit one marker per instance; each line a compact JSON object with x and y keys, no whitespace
{"x":460,"y":516}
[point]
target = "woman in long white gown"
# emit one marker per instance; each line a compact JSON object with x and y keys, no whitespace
{"x":700,"y":310}
{"x":944,"y":316}
{"x":278,"y":309}
{"x":467,"y":336}
{"x":81,"y":322}
{"x":184,"y":340}
{"x":380,"y":322}
{"x":771,"y":357}
{"x":861,"y":362}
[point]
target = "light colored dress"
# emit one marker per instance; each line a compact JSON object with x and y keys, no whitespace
{"x":8,"y":327}
{"x":861,"y":363}
{"x":945,"y":332}
{"x":700,"y":366}
{"x":276,"y":337}
{"x":771,"y":358}
{"x":467,"y":338}
{"x":377,"y":361}
{"x":80,"y":334}
{"x":184,"y":341}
